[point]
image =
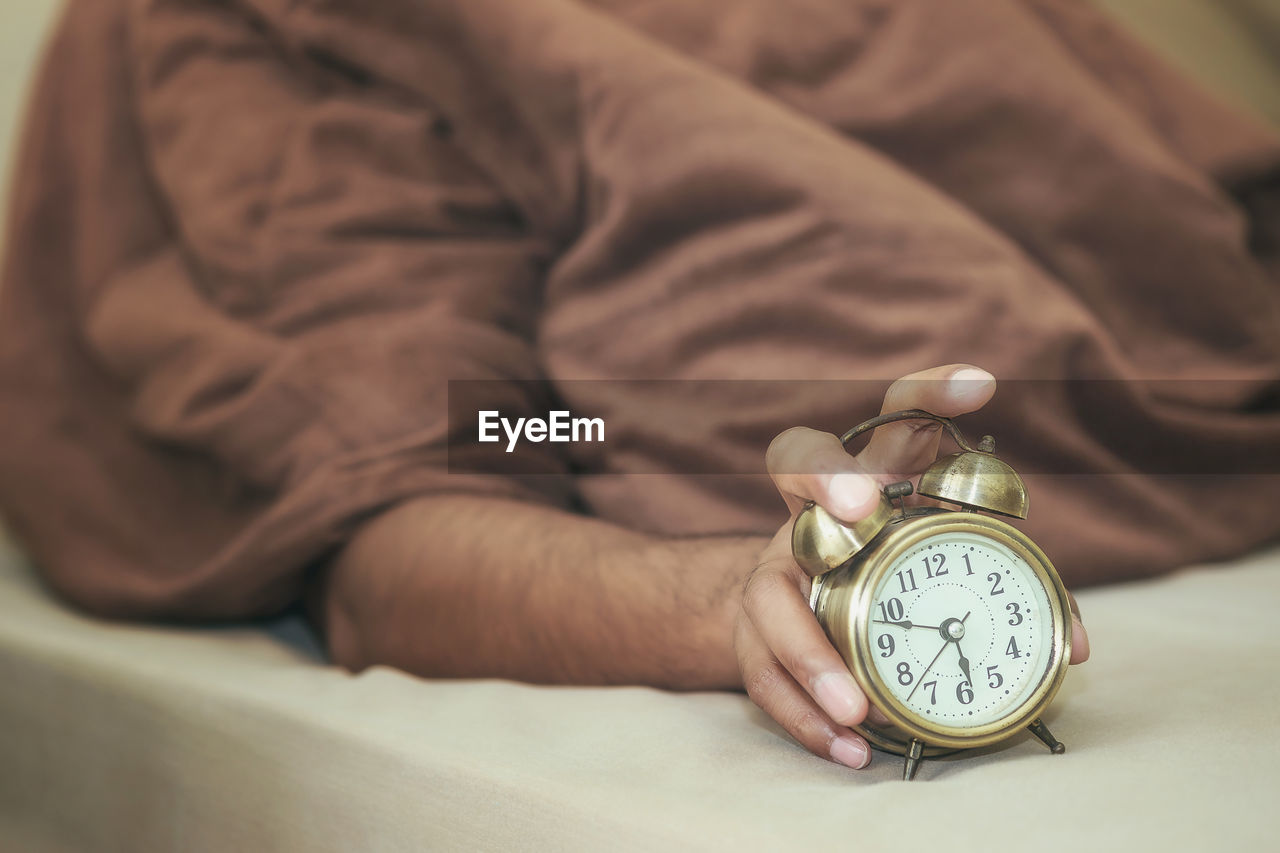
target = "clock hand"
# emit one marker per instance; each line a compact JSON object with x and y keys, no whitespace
{"x":964,"y":661}
{"x":964,"y":665}
{"x":920,"y":680}
{"x":945,"y":643}
{"x":905,"y":623}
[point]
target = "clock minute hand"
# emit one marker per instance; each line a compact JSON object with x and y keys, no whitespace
{"x":905,"y":623}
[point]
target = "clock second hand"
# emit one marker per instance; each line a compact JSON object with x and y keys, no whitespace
{"x":945,"y":643}
{"x":927,"y":668}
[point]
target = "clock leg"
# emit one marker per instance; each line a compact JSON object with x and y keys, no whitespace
{"x":913,"y":760}
{"x":1041,"y":731}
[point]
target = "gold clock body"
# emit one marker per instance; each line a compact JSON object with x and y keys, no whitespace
{"x":841,"y":600}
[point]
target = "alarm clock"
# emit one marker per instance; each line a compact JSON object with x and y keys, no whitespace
{"x":953,"y":622}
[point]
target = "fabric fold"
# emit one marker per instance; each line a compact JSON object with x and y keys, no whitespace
{"x":253,"y":243}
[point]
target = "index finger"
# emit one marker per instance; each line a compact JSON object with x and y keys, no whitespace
{"x":809,"y":465}
{"x":901,"y":449}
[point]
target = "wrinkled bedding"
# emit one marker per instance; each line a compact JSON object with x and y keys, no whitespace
{"x":253,"y":242}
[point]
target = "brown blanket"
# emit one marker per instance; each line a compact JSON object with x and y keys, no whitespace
{"x":252,"y":242}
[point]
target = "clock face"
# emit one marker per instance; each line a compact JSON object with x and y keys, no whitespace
{"x":960,"y":630}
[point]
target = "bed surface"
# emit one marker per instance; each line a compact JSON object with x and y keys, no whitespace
{"x":120,"y":737}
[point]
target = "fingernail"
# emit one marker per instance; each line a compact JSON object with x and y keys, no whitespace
{"x":850,"y":752}
{"x":848,"y":493}
{"x":838,"y":695}
{"x":969,"y":381}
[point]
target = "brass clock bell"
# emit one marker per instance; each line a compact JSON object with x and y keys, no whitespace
{"x":953,"y":622}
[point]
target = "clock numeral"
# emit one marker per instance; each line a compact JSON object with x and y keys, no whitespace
{"x":1012,"y":649}
{"x":996,"y":589}
{"x":892,"y":611}
{"x":910,"y":576}
{"x":885,"y":642}
{"x":1013,"y":608}
{"x":932,"y":686}
{"x":904,"y":674}
{"x":994,"y":678}
{"x":938,"y":571}
{"x":968,"y":567}
{"x":964,"y":692}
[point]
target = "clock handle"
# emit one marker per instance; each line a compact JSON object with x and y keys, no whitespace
{"x":915,"y":415}
{"x":973,"y":478}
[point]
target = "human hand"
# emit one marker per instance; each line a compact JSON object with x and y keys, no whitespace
{"x":788,"y":666}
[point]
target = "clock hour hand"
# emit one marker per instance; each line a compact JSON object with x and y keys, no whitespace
{"x":964,"y":661}
{"x":964,"y":665}
{"x":951,"y":636}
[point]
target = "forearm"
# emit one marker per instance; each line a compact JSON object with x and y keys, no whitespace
{"x":476,"y":587}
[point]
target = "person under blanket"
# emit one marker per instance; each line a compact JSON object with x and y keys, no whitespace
{"x":257,"y":250}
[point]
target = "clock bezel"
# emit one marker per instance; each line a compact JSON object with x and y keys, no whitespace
{"x":848,"y":590}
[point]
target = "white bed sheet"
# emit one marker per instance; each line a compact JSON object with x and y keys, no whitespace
{"x":129,"y":738}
